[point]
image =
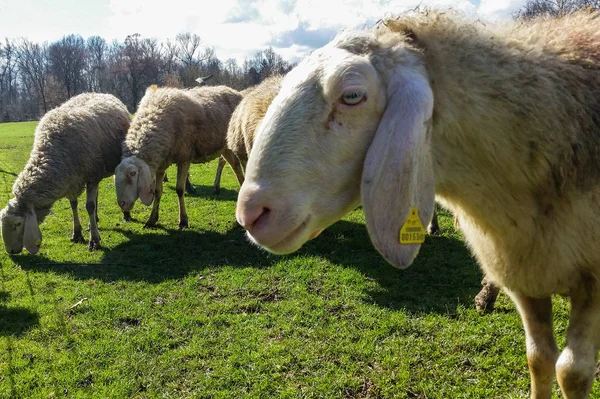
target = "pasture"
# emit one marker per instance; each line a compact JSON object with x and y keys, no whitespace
{"x":201,"y":313}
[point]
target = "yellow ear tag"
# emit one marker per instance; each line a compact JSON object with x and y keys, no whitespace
{"x":412,"y":232}
{"x":38,"y":242}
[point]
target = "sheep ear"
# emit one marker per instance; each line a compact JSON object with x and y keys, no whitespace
{"x":398,"y":188}
{"x":32,"y":236}
{"x":146,"y":183}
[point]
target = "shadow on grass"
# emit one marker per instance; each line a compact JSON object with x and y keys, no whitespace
{"x":443,"y":275}
{"x":155,"y":257}
{"x":208,"y":192}
{"x":8,"y":173}
{"x":15,"y":321}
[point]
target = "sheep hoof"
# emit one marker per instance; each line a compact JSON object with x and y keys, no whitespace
{"x":486,"y":299}
{"x":183,"y":224}
{"x":127,"y":217}
{"x":94,"y":245}
{"x":217,"y":190}
{"x":78,"y":238}
{"x":190,"y":189}
{"x":149,"y":224}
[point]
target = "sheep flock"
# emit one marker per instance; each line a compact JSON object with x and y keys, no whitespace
{"x":499,"y":124}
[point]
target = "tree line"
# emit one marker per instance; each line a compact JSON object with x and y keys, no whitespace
{"x":36,"y":77}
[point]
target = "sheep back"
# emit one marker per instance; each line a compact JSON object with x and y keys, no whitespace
{"x":177,"y":126}
{"x":78,"y":142}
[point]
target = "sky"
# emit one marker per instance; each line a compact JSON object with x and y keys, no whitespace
{"x":235,"y":28}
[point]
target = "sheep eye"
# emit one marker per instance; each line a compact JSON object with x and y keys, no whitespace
{"x":353,"y":97}
{"x":17,"y":224}
{"x":132,"y":174}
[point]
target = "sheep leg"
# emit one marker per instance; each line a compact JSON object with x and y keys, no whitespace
{"x":188,"y":186}
{"x":151,"y":222}
{"x":536,"y":314}
{"x":235,"y":164}
{"x":217,"y":183}
{"x":91,"y":205}
{"x":434,"y":228}
{"x":97,"y":219}
{"x":182,"y":172}
{"x":577,"y":363}
{"x":77,"y":234}
{"x":97,"y":195}
{"x":486,"y":299}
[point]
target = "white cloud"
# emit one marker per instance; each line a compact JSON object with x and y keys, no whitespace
{"x":499,"y":9}
{"x":236,"y":28}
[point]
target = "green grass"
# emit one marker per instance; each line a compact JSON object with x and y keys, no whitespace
{"x":201,"y":313}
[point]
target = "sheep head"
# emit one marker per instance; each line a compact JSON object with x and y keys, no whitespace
{"x":350,"y":125}
{"x":20,"y":228}
{"x":134,"y":179}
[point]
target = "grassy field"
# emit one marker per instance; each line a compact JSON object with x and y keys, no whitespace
{"x":200,"y":313}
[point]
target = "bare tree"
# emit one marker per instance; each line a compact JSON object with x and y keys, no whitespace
{"x":67,"y":63}
{"x":554,"y":8}
{"x":33,"y":64}
{"x":8,"y":79}
{"x":96,"y":63}
{"x":264,"y":64}
{"x":139,"y":59}
{"x":189,"y":47}
{"x":171,"y":56}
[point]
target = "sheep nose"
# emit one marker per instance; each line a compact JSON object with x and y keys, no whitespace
{"x":126,"y":205}
{"x":250,"y":217}
{"x":254,"y":212}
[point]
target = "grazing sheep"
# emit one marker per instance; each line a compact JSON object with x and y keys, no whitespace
{"x":76,"y":145}
{"x":173,"y":126}
{"x":501,"y":123}
{"x":240,"y":137}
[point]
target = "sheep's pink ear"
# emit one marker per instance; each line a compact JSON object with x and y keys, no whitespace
{"x":398,"y":171}
{"x":146,"y":184}
{"x":32,"y":236}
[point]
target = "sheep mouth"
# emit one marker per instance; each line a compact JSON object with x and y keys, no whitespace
{"x":127,"y":207}
{"x":315,"y":234}
{"x":293,"y":241}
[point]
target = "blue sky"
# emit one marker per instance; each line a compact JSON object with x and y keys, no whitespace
{"x":236,"y":28}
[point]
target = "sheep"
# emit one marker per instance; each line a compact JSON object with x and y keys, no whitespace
{"x":499,"y":123}
{"x":248,"y":115}
{"x":240,"y":137}
{"x":76,"y":145}
{"x":173,"y":126}
{"x":217,"y":184}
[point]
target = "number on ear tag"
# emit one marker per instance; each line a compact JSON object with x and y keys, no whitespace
{"x":412,"y":232}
